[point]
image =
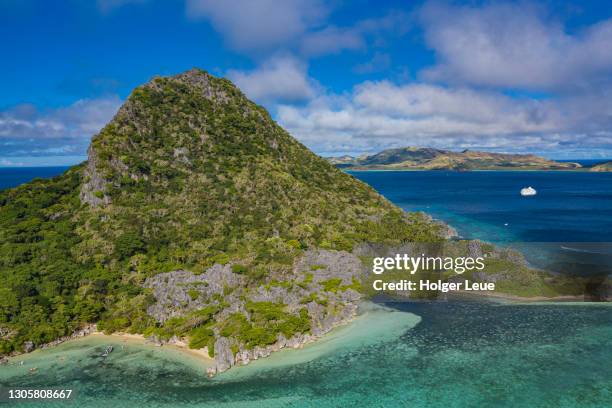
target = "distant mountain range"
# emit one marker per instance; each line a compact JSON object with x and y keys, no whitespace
{"x":424,"y":158}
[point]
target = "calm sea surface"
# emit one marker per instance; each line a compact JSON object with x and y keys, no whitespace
{"x":14,"y":176}
{"x":566,"y":227}
{"x":458,"y":354}
{"x":569,"y":206}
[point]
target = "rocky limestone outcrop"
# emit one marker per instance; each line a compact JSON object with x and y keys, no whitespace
{"x":324,"y":264}
{"x":226,"y":359}
{"x":174,"y":290}
{"x":94,"y":185}
{"x":179,"y":292}
{"x":224,"y":356}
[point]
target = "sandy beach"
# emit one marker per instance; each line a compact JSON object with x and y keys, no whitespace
{"x":386,"y":323}
{"x":200,"y":354}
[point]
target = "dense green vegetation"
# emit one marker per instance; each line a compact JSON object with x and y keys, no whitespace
{"x":193,"y":181}
{"x":267,"y":321}
{"x":46,"y":292}
{"x":188,"y":174}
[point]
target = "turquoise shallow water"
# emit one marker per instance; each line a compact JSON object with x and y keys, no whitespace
{"x":459,"y":354}
{"x":443,"y":354}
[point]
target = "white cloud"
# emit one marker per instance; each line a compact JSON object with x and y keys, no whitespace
{"x":63,"y":131}
{"x":280,"y":79}
{"x":378,"y":115}
{"x":251,"y":25}
{"x":512,"y":45}
{"x":265,"y":27}
{"x":332,"y":40}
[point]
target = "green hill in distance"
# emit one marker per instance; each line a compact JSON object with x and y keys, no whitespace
{"x":602,"y":167}
{"x":424,"y":158}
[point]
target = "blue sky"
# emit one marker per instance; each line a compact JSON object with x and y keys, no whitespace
{"x":344,"y":77}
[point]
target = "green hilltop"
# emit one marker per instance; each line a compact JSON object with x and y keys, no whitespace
{"x":193,"y":168}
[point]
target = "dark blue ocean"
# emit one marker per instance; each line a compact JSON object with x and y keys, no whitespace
{"x":569,"y":206}
{"x":565,"y":228}
{"x":14,"y":176}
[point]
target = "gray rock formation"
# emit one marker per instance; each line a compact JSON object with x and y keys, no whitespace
{"x":180,"y":292}
{"x":174,"y":290}
{"x":28,"y":346}
{"x":324,"y":264}
{"x":94,"y":186}
{"x":224,"y":356}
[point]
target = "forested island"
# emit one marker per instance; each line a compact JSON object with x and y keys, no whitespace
{"x":425,"y":158}
{"x":197,"y":217}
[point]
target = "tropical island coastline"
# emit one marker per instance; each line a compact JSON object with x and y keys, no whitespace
{"x":196,"y":216}
{"x":348,"y":334}
{"x":391,"y":323}
{"x":198,"y":220}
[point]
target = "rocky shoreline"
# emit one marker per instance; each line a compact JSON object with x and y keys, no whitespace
{"x":29,"y":346}
{"x":171,"y":291}
{"x":225,"y":359}
{"x":174,"y":293}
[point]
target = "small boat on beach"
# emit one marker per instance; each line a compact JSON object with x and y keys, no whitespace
{"x":528,"y":191}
